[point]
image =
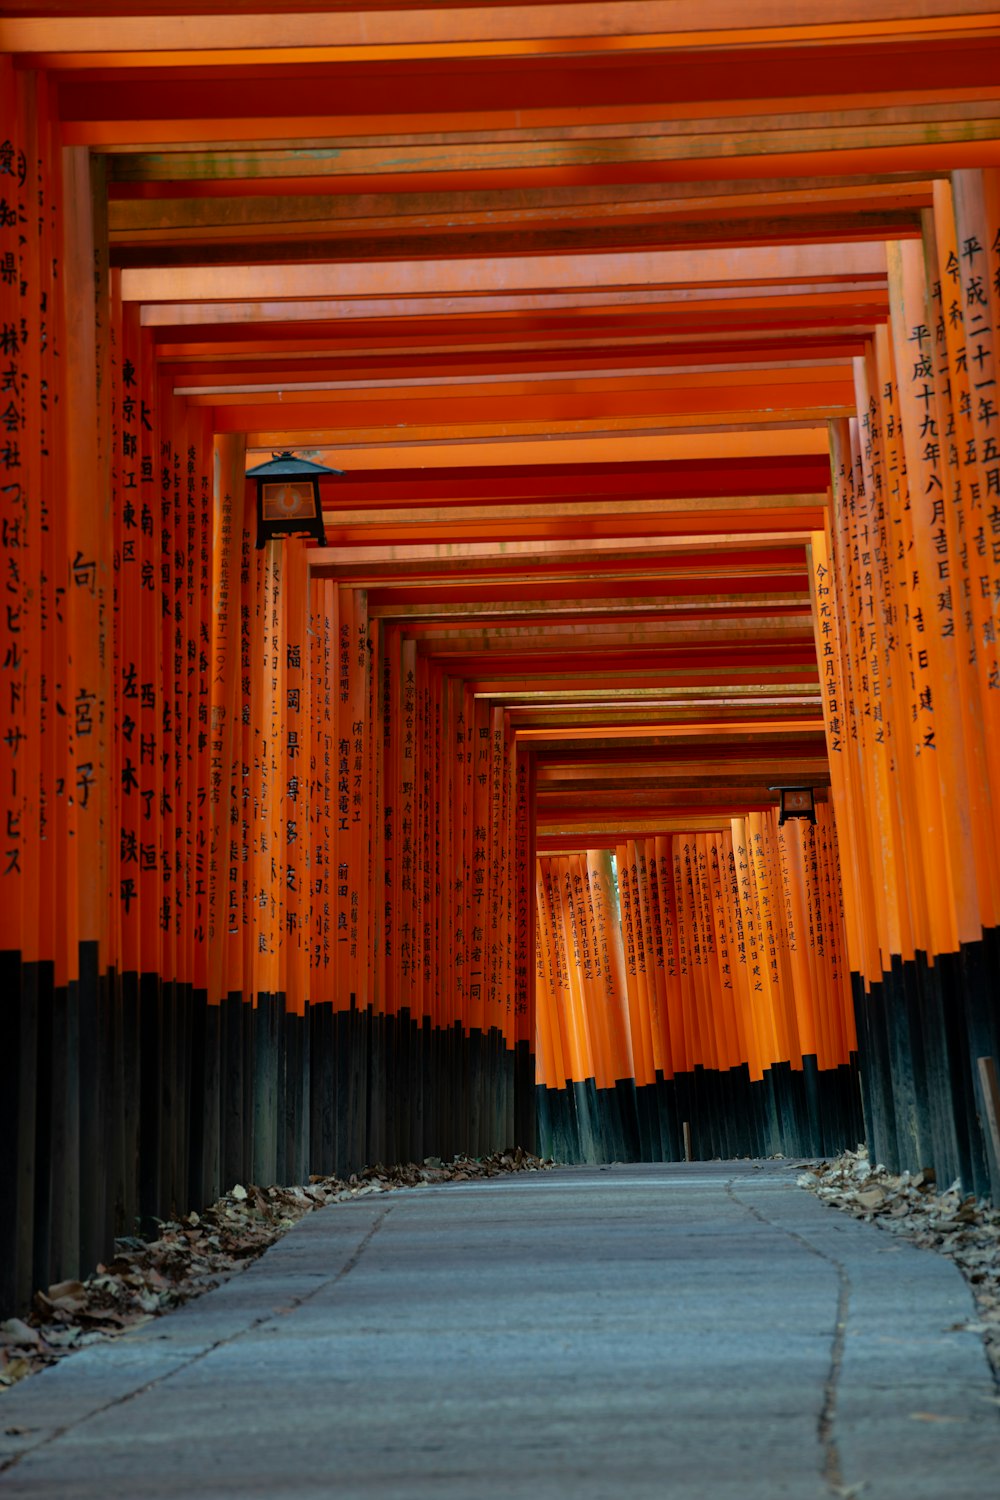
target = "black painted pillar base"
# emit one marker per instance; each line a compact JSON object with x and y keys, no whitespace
{"x":322,"y":1090}
{"x":18,"y":1145}
{"x":921,"y":1031}
{"x":236,"y":1145}
{"x":525,"y":1131}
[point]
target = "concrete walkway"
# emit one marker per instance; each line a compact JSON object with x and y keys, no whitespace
{"x":644,"y":1331}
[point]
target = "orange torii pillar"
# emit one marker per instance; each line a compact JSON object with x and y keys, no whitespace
{"x":906,"y":590}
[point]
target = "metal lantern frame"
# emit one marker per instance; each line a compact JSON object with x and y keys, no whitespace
{"x":280,"y":474}
{"x":796,"y":802}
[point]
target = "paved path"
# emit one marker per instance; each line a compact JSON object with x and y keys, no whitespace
{"x":675,"y":1332}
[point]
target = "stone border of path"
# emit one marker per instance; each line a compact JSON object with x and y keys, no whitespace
{"x":962,"y":1227}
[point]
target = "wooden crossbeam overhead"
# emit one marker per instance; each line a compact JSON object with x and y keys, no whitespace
{"x":306,"y":102}
{"x":821,"y":380}
{"x":490,"y":368}
{"x":927,"y":141}
{"x":777,"y":443}
{"x":468,"y":523}
{"x":690,"y":556}
{"x":116,"y":32}
{"x":652,"y":270}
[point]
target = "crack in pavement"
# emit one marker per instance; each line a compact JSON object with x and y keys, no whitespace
{"x":826,"y":1423}
{"x":11,"y":1463}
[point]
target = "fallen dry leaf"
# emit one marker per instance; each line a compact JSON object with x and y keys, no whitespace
{"x":71,"y":1290}
{"x":63,"y":1338}
{"x":15,"y":1331}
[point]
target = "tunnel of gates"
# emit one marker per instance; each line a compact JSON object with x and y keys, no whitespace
{"x":457,"y":833}
{"x":693,"y":999}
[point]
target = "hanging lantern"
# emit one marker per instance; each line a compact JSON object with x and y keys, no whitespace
{"x":288,"y":497}
{"x":796,"y":802}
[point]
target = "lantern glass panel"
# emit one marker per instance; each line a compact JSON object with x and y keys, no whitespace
{"x":289,"y":500}
{"x":796,"y":800}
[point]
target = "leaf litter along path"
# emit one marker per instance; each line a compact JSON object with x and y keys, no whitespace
{"x":192,"y":1255}
{"x":964,"y":1228}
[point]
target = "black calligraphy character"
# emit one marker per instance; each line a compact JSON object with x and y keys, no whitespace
{"x":85,"y":779}
{"x":84,"y":572}
{"x":130,"y":781}
{"x":84,"y":710}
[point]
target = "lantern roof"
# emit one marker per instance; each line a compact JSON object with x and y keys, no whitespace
{"x":287,"y":466}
